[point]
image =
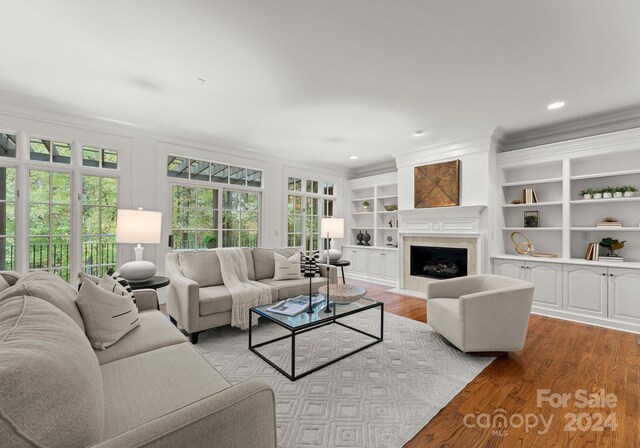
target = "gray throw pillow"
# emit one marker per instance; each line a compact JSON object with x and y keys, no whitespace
{"x":107,"y":316}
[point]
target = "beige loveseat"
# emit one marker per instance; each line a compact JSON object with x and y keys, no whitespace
{"x":151,"y":388}
{"x":481,"y":313}
{"x":198,"y":299}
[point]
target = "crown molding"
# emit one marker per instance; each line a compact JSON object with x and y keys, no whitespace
{"x":587,"y":126}
{"x":444,"y":149}
{"x":620,"y":141}
{"x":52,"y":113}
{"x":388,"y":166}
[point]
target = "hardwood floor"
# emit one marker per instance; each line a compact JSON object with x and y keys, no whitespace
{"x":560,"y":356}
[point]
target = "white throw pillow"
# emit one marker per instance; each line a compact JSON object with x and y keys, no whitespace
{"x":287,"y":268}
{"x":111,"y":284}
{"x":107,"y":316}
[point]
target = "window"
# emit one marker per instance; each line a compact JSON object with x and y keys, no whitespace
{"x":185,"y":168}
{"x":49,"y":151}
{"x":304,"y":209}
{"x":99,"y":212}
{"x":99,"y":157}
{"x":197,"y":223}
{"x":50,"y":221}
{"x":7,"y":217}
{"x":240,"y":221}
{"x":194,"y":217}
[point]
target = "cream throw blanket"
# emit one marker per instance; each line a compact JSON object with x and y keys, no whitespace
{"x":245,"y":293}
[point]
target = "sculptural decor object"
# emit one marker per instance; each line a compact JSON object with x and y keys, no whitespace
{"x":437,"y":185}
{"x":359,"y":237}
{"x":367,"y":238}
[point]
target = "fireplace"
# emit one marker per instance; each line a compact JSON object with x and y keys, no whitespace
{"x":438,"y":262}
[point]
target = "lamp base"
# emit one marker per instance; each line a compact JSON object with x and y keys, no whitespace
{"x":138,"y":270}
{"x":334,"y":254}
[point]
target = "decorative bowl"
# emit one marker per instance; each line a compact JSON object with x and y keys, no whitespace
{"x":342,"y":294}
{"x":391,"y":208}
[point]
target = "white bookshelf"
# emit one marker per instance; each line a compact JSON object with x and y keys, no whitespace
{"x":379,"y":191}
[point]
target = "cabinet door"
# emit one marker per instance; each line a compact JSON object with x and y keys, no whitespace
{"x":360,"y":261}
{"x":624,"y":294}
{"x":391,"y":265}
{"x":509,"y":268}
{"x":547,"y":277}
{"x":586,"y":290}
{"x":374,"y":258}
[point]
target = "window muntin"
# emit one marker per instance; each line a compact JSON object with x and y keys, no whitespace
{"x":50,"y":222}
{"x":7,"y":218}
{"x":99,"y":212}
{"x":49,"y":151}
{"x":219,"y":173}
{"x":7,"y":145}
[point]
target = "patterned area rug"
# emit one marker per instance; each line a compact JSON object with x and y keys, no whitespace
{"x":379,"y":397}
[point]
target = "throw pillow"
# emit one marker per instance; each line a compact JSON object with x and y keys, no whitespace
{"x":287,"y":268}
{"x":123,"y":282}
{"x":107,"y":316}
{"x":4,"y":284}
{"x":309,"y":265}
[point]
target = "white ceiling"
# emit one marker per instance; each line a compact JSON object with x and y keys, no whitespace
{"x":324,"y":80}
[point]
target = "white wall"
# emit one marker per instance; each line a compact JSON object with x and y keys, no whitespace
{"x":143,"y":156}
{"x":474,"y":171}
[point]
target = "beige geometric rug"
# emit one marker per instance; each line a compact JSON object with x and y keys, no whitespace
{"x":379,"y":397}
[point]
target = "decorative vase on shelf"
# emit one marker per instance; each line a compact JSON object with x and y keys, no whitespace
{"x":606,"y":195}
{"x":597,"y":196}
{"x":587,"y":196}
{"x":367,"y":238}
{"x":359,"y":237}
{"x":617,"y":194}
{"x":629,"y":194}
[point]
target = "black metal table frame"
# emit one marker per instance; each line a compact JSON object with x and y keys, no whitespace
{"x":333,"y":319}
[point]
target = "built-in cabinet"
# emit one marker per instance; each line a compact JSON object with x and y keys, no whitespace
{"x":372,"y":263}
{"x":602,"y":295}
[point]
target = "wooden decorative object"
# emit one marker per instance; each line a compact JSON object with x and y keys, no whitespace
{"x":437,"y":185}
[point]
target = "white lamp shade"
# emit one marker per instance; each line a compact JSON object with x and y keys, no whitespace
{"x":332,"y":228}
{"x":138,"y":227}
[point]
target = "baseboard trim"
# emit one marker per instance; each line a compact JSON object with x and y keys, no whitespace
{"x":410,"y":293}
{"x":588,"y":320}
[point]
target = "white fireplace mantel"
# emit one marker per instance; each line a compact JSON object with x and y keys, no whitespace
{"x":441,"y":220}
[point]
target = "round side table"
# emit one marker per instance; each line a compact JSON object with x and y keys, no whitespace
{"x":341,"y":264}
{"x":155,"y":282}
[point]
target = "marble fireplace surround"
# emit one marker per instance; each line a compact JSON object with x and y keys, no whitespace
{"x":459,"y":227}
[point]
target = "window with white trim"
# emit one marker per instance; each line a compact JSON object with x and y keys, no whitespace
{"x":99,"y":212}
{"x":307,"y":201}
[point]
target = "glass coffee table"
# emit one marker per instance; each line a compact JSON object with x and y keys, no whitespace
{"x":304,"y":322}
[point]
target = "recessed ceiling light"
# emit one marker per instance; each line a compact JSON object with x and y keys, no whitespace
{"x":556,"y":105}
{"x":417,"y":133}
{"x":354,"y":157}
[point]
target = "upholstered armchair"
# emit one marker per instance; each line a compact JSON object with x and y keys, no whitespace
{"x":481,"y":313}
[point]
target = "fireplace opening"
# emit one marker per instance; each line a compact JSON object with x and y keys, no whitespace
{"x":438,"y":262}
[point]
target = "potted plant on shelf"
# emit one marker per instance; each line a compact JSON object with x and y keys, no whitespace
{"x":629,"y":191}
{"x":618,"y":192}
{"x":607,"y":193}
{"x":365,"y":206}
{"x":612,"y":245}
{"x":587,"y":193}
{"x":597,"y":194}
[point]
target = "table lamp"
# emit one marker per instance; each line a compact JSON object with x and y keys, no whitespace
{"x":331,"y":228}
{"x":138,"y":227}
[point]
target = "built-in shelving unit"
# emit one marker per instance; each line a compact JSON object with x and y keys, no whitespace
{"x":597,"y":292}
{"x":379,"y":192}
{"x":567,"y":222}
